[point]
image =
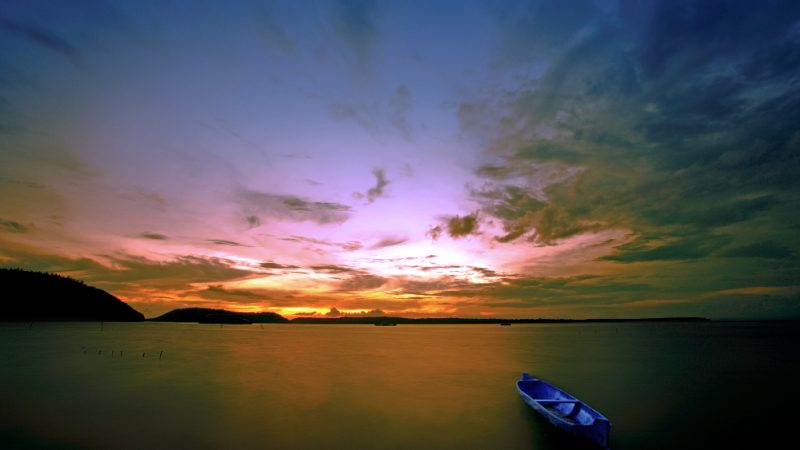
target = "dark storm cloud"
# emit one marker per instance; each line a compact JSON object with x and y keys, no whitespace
{"x":514,"y":205}
{"x":681,"y":116}
{"x":690,"y":248}
{"x":764,"y":249}
{"x":292,"y":208}
{"x":154,"y":236}
{"x":540,"y":291}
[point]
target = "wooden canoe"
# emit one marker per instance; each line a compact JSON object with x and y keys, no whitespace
{"x":563,"y":410}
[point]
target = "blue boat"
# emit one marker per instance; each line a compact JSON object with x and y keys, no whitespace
{"x":563,"y":410}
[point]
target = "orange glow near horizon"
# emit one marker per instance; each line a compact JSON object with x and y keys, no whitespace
{"x":501,"y":167}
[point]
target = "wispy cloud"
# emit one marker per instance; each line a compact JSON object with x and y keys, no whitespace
{"x":292,"y":208}
{"x":154,"y":236}
{"x":362,"y":282}
{"x":456,"y":226}
{"x":354,"y":22}
{"x":12,"y":226}
{"x":348,"y":246}
{"x":43,"y":38}
{"x":252,"y":221}
{"x":227,"y":243}
{"x":333,"y":269}
{"x":389,"y":241}
{"x":380,"y":184}
{"x":276,"y":266}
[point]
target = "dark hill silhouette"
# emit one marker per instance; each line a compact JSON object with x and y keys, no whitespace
{"x":36,"y":296}
{"x":206,"y":315}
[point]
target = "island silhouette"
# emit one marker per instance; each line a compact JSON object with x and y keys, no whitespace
{"x":36,"y":296}
{"x":207,"y":315}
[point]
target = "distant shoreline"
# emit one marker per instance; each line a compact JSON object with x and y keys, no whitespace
{"x":469,"y":321}
{"x":222,"y":316}
{"x":203,"y":315}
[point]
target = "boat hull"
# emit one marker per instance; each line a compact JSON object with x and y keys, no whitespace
{"x":564,"y":411}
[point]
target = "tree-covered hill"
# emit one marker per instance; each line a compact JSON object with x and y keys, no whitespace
{"x":37,"y":296}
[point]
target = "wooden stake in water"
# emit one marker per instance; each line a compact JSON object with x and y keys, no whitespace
{"x":159,"y":355}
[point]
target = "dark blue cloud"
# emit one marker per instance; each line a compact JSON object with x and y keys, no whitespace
{"x":682,"y":117}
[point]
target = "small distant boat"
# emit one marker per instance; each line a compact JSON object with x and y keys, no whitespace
{"x":385,"y":324}
{"x":505,"y":324}
{"x":563,"y":410}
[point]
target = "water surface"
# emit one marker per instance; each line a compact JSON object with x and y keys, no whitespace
{"x":161,"y":385}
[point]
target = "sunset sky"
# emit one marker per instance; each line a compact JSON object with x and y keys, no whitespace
{"x":458,"y":158}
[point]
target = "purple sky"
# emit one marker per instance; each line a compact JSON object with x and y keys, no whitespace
{"x":509,"y":159}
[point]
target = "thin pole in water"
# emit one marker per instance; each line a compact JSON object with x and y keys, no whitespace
{"x":159,"y":355}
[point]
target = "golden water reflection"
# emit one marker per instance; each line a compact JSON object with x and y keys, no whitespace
{"x":415,"y":386}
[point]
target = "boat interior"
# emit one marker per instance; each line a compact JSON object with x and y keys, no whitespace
{"x":557,"y":402}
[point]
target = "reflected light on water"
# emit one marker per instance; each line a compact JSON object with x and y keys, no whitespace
{"x":355,"y":386}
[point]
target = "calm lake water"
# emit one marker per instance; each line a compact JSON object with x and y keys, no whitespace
{"x":669,"y":385}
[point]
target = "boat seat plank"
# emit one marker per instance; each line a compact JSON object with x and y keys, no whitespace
{"x":550,"y":400}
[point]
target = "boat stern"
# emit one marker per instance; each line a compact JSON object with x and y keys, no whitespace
{"x":601,"y":429}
